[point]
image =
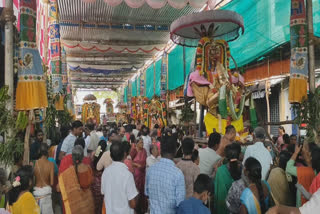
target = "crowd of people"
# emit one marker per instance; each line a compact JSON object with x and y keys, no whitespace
{"x":130,"y":169}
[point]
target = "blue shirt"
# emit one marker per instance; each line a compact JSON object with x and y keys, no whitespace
{"x":104,"y":138}
{"x":192,"y":206}
{"x":165,"y":187}
{"x":55,"y":165}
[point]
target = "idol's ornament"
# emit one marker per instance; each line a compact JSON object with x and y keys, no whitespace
{"x":212,"y":83}
{"x":109,"y":106}
{"x":90,"y":110}
{"x":121,"y":116}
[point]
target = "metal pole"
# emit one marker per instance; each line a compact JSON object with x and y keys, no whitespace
{"x":184,"y":63}
{"x":8,"y":76}
{"x":312,"y":75}
{"x":201,"y":121}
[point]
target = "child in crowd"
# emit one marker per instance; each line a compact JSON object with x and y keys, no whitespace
{"x":195,"y":157}
{"x":201,"y":194}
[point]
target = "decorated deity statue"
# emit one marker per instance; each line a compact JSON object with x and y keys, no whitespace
{"x":91,"y":111}
{"x":214,"y":85}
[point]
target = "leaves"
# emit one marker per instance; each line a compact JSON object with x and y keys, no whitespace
{"x":308,"y":112}
{"x":187,"y":113}
{"x":13,"y":145}
{"x":53,"y":117}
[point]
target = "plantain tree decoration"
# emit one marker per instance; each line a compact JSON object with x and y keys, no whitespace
{"x":308,"y":112}
{"x":13,"y":144}
{"x":55,"y":118}
{"x":187,"y":113}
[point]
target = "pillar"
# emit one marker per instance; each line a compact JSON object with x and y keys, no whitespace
{"x":9,"y":17}
{"x":312,"y":74}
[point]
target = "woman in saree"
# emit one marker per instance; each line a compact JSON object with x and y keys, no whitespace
{"x":279,"y":183}
{"x":256,"y":198}
{"x":304,"y":174}
{"x":21,"y":201}
{"x":75,"y":183}
{"x":225,"y":176}
{"x":96,"y":186}
{"x":139,"y":166}
{"x":315,"y":186}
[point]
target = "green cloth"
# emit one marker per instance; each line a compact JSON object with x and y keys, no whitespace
{"x":266,"y":25}
{"x":134,"y":88}
{"x":222,"y":184}
{"x":125,"y":95}
{"x":3,"y":201}
{"x":175,"y":68}
{"x":149,"y":81}
{"x":158,"y":78}
{"x":292,"y":170}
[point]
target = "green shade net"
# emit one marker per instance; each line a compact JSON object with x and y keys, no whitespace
{"x":266,"y":25}
{"x":158,"y":77}
{"x":175,"y":68}
{"x":149,"y":82}
{"x":125,"y":95}
{"x":190,"y":55}
{"x":138,"y":86}
{"x":134,"y":88}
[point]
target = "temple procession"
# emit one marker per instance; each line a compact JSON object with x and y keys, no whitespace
{"x":159,"y":106}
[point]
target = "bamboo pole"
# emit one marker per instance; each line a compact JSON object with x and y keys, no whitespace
{"x":312,"y":76}
{"x":268,"y":104}
{"x":26,"y":154}
{"x":8,"y":76}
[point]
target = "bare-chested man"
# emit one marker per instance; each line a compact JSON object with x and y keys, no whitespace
{"x":44,"y":174}
{"x":227,"y":139}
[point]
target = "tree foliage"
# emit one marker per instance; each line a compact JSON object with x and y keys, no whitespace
{"x":308,"y":112}
{"x":13,"y":145}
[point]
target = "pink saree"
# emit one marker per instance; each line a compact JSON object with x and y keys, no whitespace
{"x":139,"y":178}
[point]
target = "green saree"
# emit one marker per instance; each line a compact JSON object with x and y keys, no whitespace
{"x":222,"y":184}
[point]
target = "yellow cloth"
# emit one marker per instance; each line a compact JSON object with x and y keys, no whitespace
{"x":26,"y":204}
{"x":220,"y":125}
{"x":76,"y":199}
{"x":297,"y":90}
{"x":31,"y":95}
{"x":59,"y":104}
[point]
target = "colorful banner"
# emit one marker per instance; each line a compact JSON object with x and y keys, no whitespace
{"x":299,"y":65}
{"x":54,"y":46}
{"x":31,"y":91}
{"x":142,"y":78}
{"x":164,"y":73}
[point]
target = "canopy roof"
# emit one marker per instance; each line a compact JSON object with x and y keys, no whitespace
{"x":106,"y":45}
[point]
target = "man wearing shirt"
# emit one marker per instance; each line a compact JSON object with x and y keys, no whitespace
{"x":208,"y":156}
{"x":165,"y":184}
{"x":259,"y":151}
{"x":117,"y":183}
{"x":68,"y":142}
{"x":189,"y":169}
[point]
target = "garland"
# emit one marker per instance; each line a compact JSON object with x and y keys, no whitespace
{"x":253,"y":114}
{"x":111,"y":49}
{"x":95,"y":108}
{"x":223,"y":110}
{"x":236,"y":115}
